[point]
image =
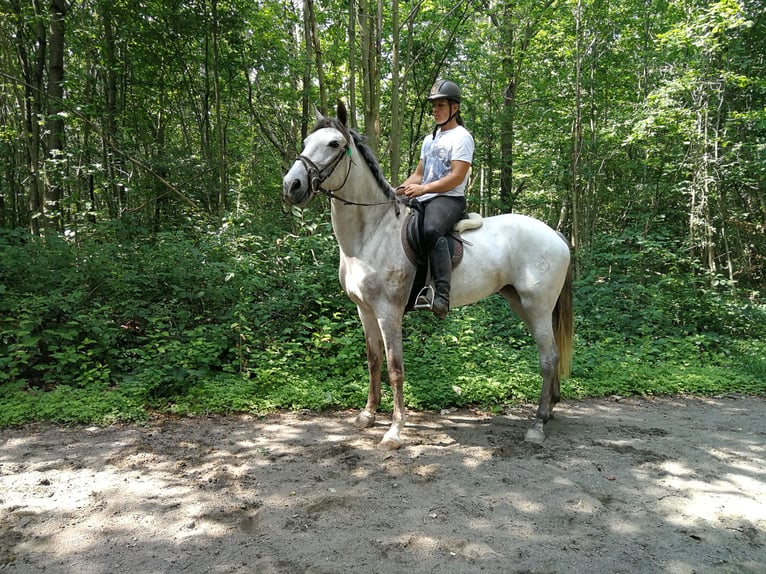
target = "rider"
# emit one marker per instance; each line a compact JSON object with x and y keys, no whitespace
{"x":439,"y":183}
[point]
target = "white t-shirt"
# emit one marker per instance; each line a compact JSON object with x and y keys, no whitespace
{"x":438,"y":153}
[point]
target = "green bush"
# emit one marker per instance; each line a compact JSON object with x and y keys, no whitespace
{"x":121,"y":324}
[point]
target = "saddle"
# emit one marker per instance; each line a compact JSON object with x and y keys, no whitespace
{"x":421,"y":295}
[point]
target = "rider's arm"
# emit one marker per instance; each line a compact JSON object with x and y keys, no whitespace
{"x":413,"y":188}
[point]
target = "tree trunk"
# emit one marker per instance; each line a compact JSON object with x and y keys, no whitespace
{"x":370,"y":22}
{"x":317,"y":50}
{"x":576,"y":191}
{"x":306,"y":95}
{"x":396,"y":119}
{"x":518,"y":25}
{"x":115,"y":199}
{"x":723,"y":208}
{"x":55,"y":121}
{"x":221,"y":168}
{"x":507,"y":136}
{"x":701,"y":234}
{"x":33,"y":69}
{"x":352,"y":63}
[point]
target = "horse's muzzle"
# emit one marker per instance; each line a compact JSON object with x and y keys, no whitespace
{"x":295,"y":186}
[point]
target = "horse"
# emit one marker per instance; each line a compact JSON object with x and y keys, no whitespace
{"x":517,"y":256}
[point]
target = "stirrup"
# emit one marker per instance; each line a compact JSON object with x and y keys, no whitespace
{"x":425,"y":299}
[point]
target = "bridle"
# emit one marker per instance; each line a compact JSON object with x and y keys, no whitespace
{"x":318,"y":175}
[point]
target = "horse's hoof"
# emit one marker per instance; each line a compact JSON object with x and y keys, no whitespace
{"x":391,"y":440}
{"x":389,"y":444}
{"x":535,"y":435}
{"x":365,"y":420}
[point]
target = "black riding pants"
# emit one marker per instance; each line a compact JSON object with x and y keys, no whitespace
{"x":440,"y":215}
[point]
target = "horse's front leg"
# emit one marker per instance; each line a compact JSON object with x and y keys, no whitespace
{"x":392,"y":339}
{"x":374,"y":344}
{"x":383,"y":332}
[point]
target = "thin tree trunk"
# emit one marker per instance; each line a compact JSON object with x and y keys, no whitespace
{"x":577,"y":133}
{"x":507,"y":137}
{"x":508,"y":114}
{"x":115,"y":199}
{"x":34,"y":73}
{"x":699,"y":192}
{"x":204,"y":118}
{"x":222,"y":180}
{"x":396,"y":119}
{"x":317,"y":50}
{"x":370,"y":22}
{"x":518,"y":25}
{"x":55,"y":120}
{"x":352,"y":63}
{"x":305,"y":103}
{"x":590,"y":153}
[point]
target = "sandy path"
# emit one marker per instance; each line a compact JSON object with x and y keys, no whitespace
{"x":635,"y":485}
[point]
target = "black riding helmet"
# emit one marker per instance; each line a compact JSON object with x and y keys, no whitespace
{"x":445,"y":89}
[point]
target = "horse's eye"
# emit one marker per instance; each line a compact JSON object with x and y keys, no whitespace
{"x":334,"y":143}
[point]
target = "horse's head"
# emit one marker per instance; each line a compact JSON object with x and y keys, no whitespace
{"x":328,"y":145}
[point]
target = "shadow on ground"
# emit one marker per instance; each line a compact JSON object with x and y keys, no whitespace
{"x":664,"y":485}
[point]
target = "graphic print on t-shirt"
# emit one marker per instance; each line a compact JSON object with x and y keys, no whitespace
{"x":436,"y":161}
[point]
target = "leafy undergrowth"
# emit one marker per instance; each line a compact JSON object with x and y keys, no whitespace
{"x":447,"y":364}
{"x":224,"y":321}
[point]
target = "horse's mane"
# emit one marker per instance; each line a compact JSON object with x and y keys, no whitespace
{"x":364,"y":150}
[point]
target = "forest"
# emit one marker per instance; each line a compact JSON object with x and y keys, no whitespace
{"x":147,"y":263}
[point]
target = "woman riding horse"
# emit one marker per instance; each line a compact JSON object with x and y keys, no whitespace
{"x":439,"y":183}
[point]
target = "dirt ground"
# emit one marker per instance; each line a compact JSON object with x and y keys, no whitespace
{"x":671,"y":485}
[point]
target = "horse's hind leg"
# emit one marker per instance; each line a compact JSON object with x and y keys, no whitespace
{"x":539,"y":323}
{"x":374,"y":344}
{"x":549,"y":394}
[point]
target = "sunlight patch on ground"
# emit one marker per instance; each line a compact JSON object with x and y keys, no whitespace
{"x":717,"y":500}
{"x":624,"y":527}
{"x":143,"y":498}
{"x":476,"y":456}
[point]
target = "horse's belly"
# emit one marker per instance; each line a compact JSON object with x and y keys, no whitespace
{"x":472,"y":285}
{"x":510,"y":250}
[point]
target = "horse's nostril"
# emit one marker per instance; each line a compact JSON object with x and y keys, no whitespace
{"x":294,"y":186}
{"x":294,"y":191}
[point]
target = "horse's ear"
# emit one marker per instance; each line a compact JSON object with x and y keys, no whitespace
{"x":318,"y":114}
{"x":342,"y":113}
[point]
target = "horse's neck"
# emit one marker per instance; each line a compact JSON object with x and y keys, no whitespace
{"x":358,"y":227}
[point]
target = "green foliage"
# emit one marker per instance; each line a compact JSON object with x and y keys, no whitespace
{"x":651,"y":321}
{"x":481,"y":355}
{"x":656,"y":290}
{"x":225,"y":319}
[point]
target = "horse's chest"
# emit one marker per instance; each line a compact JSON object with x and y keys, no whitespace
{"x":362,"y":281}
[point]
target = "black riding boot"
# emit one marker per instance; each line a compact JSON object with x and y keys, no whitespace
{"x":441,"y":271}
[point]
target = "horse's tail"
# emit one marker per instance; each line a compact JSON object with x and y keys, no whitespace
{"x":563,"y":325}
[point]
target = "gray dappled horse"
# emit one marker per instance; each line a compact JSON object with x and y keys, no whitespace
{"x":517,"y":256}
